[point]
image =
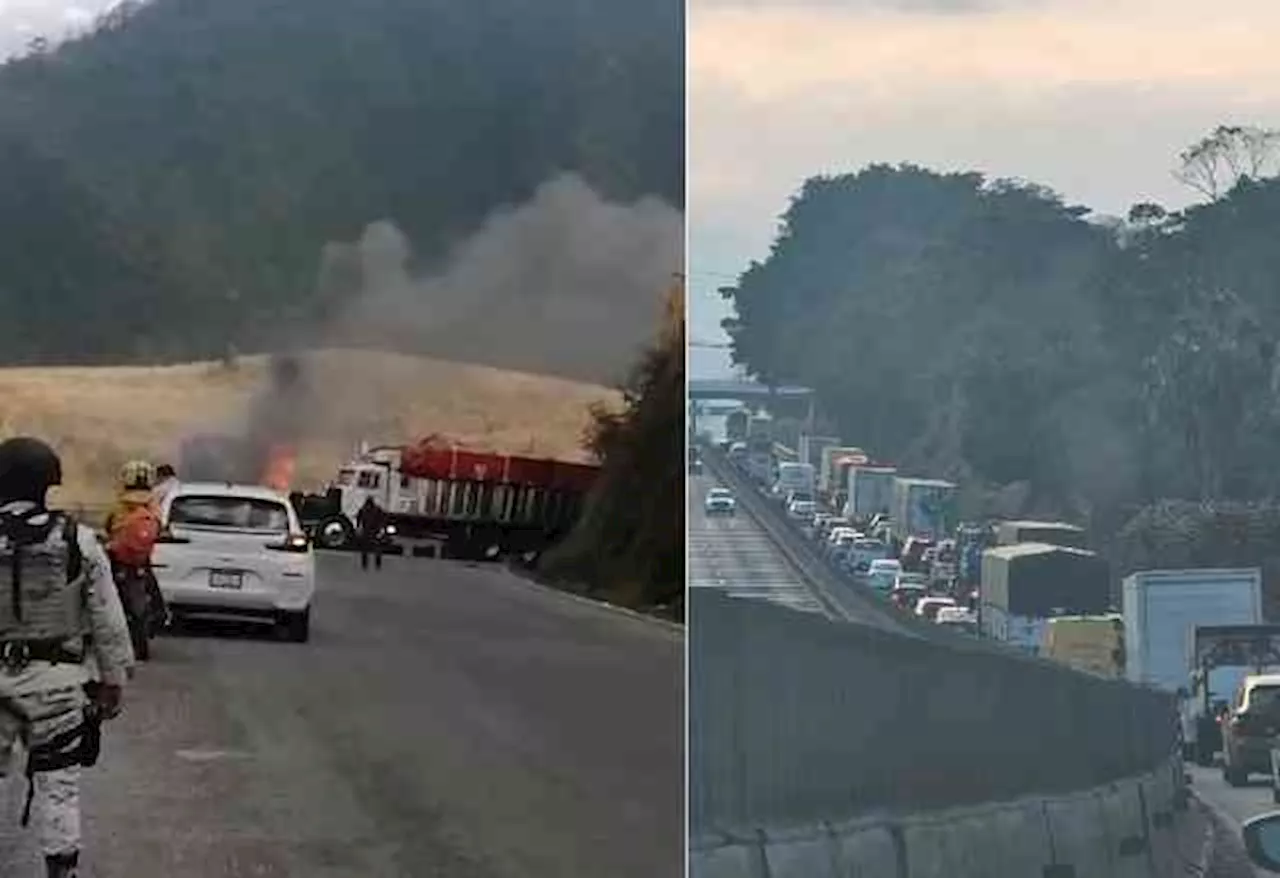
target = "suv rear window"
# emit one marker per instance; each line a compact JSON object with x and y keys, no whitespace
{"x":1264,"y":699}
{"x":240,"y":513}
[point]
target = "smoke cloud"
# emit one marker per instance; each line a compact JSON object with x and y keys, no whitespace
{"x":567,"y":284}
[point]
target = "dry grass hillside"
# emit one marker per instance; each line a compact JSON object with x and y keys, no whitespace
{"x":100,"y":417}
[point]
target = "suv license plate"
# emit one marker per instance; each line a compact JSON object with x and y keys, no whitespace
{"x":233,"y":579}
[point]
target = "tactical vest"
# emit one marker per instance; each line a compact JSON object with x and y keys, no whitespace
{"x":43,"y":587}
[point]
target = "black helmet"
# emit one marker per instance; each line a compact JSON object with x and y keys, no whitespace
{"x":28,"y":469}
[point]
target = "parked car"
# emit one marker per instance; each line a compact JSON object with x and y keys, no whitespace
{"x":1251,"y":723}
{"x":235,"y":551}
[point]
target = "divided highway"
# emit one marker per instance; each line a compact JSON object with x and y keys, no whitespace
{"x":445,"y":720}
{"x":735,"y":555}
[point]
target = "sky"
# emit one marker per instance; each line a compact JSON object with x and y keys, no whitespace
{"x":23,"y":20}
{"x":1093,"y":98}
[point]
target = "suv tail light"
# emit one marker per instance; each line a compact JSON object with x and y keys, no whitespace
{"x":297,"y":543}
{"x":1250,"y":724}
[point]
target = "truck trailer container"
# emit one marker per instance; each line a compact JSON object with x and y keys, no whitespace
{"x":923,"y":508}
{"x":475,"y":504}
{"x":870,"y":492}
{"x":1163,"y":609}
{"x":1026,"y":585}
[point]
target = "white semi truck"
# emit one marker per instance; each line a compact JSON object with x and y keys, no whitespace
{"x":1162,"y":610}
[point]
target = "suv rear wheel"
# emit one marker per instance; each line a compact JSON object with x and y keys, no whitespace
{"x":1233,"y":775}
{"x":297,"y":626}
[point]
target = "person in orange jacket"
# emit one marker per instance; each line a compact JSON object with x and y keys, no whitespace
{"x":133,"y":528}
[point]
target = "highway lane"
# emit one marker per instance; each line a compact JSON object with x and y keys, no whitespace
{"x":733,"y":554}
{"x":445,"y":721}
{"x":1232,"y":806}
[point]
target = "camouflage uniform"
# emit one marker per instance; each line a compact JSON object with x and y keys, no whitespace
{"x":53,"y":699}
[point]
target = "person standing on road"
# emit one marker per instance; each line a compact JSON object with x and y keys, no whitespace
{"x":370,"y":520}
{"x":133,"y":527}
{"x":65,"y":652}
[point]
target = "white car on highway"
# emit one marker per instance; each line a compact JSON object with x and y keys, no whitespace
{"x":235,"y":551}
{"x":802,"y":511}
{"x":719,"y":501}
{"x":882,"y":574}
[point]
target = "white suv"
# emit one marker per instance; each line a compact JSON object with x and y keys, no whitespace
{"x":235,"y":551}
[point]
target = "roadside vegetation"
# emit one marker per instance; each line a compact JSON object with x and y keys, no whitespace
{"x":629,"y":544}
{"x":1121,"y":372}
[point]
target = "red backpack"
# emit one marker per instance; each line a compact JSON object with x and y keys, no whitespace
{"x":133,"y":535}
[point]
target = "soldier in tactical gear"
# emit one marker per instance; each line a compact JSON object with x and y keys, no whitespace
{"x":64,"y":648}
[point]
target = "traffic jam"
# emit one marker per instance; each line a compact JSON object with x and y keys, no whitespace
{"x":1199,"y":633}
{"x":844,"y":508}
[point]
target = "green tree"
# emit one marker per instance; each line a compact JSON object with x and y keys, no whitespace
{"x":629,"y":544}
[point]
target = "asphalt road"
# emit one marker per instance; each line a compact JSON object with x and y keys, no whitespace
{"x":1232,"y":806}
{"x":733,"y":554}
{"x":444,"y":721}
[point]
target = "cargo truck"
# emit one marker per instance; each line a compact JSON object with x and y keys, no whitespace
{"x":923,"y":508}
{"x":1162,"y":609}
{"x":828,"y":474}
{"x":472,"y":504}
{"x":1023,"y":587}
{"x":1093,"y":644}
{"x":1057,"y":533}
{"x":1222,"y":656}
{"x":811,"y":449}
{"x":869,"y":492}
{"x":793,"y":478}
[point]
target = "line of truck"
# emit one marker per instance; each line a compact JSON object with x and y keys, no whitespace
{"x":1037,"y":586}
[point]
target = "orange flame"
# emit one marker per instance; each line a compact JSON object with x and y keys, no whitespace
{"x":281,"y":464}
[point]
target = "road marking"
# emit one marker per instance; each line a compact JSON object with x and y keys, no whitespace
{"x":211,"y":755}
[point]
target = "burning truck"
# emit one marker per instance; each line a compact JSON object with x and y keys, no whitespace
{"x":474,"y":505}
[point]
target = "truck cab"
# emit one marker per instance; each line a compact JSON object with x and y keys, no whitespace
{"x":1207,"y":700}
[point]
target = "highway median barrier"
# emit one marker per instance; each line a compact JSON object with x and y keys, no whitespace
{"x":822,"y":748}
{"x":1106,"y":832}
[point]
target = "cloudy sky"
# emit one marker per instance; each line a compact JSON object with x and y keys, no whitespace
{"x":1093,"y":98}
{"x":21,"y":20}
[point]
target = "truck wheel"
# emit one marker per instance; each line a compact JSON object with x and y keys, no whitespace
{"x":335,"y":533}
